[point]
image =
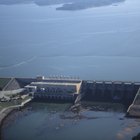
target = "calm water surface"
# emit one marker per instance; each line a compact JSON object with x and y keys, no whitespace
{"x":42,"y":121}
{"x":95,"y":43}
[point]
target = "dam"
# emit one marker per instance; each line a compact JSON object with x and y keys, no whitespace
{"x":75,"y":90}
{"x":124,"y":92}
{"x":111,"y":91}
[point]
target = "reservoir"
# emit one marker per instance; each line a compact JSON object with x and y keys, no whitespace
{"x":97,"y":42}
{"x":41,"y":121}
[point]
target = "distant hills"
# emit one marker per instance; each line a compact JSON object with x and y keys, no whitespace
{"x":66,"y":4}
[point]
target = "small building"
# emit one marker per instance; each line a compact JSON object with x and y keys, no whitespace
{"x":30,"y":88}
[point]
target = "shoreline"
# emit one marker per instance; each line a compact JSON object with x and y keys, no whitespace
{"x":8,"y":110}
{"x":3,"y":116}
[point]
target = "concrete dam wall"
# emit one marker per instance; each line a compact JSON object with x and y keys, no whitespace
{"x":109,"y":91}
{"x":75,"y":90}
{"x":134,"y":108}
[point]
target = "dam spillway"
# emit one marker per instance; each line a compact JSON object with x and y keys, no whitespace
{"x":112,"y":91}
{"x":124,"y":92}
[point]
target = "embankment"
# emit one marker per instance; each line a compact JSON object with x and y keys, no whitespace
{"x":8,"y":110}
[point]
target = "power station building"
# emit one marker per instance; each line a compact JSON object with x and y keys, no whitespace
{"x":55,"y":89}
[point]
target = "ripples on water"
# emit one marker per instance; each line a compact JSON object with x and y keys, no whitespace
{"x":97,"y":43}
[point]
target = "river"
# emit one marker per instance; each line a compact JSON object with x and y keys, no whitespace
{"x":47,"y":121}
